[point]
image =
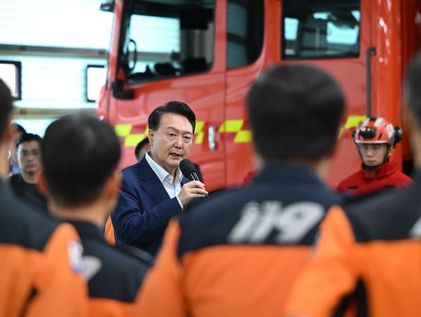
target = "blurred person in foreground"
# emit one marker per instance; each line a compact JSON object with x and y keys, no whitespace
{"x":40,"y":266}
{"x":375,"y":139}
{"x":80,"y":154}
{"x":25,"y":183}
{"x":371,"y":251}
{"x":154,"y":190}
{"x":239,"y":253}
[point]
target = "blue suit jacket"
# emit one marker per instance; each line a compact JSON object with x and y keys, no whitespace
{"x":143,"y":209}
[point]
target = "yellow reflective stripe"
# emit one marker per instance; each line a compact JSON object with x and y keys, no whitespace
{"x":228,"y":126}
{"x":350,"y":123}
{"x":231,"y":126}
{"x":133,"y":139}
{"x":123,"y":130}
{"x":199,"y":138}
{"x":243,"y":137}
{"x":199,"y":126}
{"x":354,"y":121}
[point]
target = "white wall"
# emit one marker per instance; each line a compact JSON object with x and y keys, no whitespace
{"x":60,"y":23}
{"x":53,"y":74}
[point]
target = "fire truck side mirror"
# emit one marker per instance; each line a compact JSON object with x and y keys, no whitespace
{"x":107,"y":5}
{"x":120,"y":93}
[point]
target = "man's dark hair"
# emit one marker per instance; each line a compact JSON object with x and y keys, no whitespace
{"x":19,"y":128}
{"x":79,"y":154}
{"x":139,"y":146}
{"x":6,"y":106}
{"x":412,"y":90}
{"x":174,"y":106}
{"x":294,"y":113}
{"x":27,"y":137}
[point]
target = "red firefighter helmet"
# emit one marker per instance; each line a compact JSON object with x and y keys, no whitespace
{"x":376,"y":131}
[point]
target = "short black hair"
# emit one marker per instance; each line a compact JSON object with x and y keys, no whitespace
{"x":79,"y":154}
{"x":6,"y":106}
{"x":174,"y":106}
{"x":412,"y":91}
{"x":19,"y":128}
{"x":140,"y":145}
{"x":27,"y":137}
{"x":295,"y":113}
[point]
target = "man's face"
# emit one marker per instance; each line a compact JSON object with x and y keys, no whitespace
{"x":29,"y":159}
{"x":372,"y":154}
{"x":172,"y":141}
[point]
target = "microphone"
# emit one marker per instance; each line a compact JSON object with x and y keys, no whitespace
{"x":189,"y":170}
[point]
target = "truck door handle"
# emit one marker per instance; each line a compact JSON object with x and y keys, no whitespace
{"x":368,"y":60}
{"x":212,"y":138}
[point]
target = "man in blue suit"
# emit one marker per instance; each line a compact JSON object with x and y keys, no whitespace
{"x":154,"y":189}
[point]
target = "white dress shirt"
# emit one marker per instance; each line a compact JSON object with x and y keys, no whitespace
{"x":172,"y":187}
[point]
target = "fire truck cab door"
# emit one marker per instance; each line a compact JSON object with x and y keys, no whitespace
{"x":168,"y":51}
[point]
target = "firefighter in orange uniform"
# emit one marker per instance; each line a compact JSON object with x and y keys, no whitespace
{"x":375,"y":139}
{"x":80,"y":154}
{"x":238,"y":253}
{"x":40,"y":260}
{"x":370,"y":251}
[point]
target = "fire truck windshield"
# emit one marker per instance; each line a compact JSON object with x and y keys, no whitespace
{"x":163,"y":39}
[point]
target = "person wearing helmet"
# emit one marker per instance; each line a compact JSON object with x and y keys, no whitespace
{"x":375,"y":139}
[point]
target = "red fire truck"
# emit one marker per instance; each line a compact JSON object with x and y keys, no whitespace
{"x":207,"y":52}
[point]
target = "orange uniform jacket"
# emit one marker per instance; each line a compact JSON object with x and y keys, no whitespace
{"x":109,"y":232}
{"x":114,"y":277}
{"x":370,"y":252}
{"x":40,"y":264}
{"x":238,"y":254}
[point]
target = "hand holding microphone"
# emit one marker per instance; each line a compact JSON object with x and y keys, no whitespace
{"x":193,"y":189}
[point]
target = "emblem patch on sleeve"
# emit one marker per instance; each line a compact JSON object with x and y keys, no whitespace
{"x":75,"y":250}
